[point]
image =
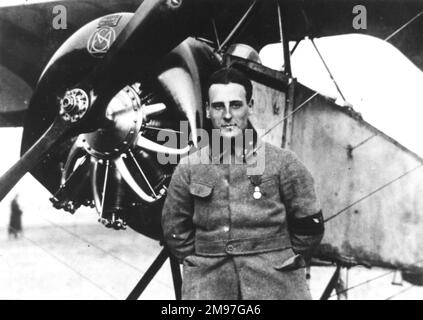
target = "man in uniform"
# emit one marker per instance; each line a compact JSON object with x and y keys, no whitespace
{"x":241,"y":233}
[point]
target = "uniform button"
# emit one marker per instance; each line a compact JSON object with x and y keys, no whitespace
{"x":173,"y":235}
{"x":230,"y":247}
{"x":226,"y":228}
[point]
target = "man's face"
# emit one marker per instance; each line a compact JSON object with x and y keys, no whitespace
{"x":228,"y":109}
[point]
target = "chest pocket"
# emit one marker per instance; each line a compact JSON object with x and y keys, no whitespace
{"x":200,"y":190}
{"x":202,"y":194}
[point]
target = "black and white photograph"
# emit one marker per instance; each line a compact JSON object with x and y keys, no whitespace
{"x":211,"y":150}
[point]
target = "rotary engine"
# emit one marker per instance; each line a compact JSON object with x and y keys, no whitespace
{"x":120,"y":158}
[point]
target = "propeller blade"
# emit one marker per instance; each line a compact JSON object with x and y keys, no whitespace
{"x":54,"y":133}
{"x":180,"y":75}
{"x":155,"y":29}
{"x":178,"y":84}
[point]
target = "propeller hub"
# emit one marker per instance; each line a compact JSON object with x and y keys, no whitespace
{"x":74,"y":105}
{"x":124,"y":120}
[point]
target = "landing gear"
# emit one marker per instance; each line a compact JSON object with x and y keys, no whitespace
{"x":152,"y":271}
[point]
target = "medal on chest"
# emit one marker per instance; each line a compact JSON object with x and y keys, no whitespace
{"x":256,"y":182}
{"x":257,"y":193}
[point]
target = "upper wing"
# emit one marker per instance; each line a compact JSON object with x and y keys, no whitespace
{"x":319,"y":18}
{"x":28,"y":38}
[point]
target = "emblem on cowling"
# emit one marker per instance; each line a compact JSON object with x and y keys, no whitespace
{"x":100,"y":41}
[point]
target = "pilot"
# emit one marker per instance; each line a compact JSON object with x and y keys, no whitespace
{"x":240,"y":232}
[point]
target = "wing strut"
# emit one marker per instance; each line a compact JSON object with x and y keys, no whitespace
{"x":237,"y":26}
{"x":284,"y":41}
{"x":328,"y":70}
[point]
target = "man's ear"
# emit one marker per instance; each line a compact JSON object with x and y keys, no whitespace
{"x":207,"y":110}
{"x":250,"y":106}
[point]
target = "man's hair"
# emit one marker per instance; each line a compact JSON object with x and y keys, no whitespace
{"x":231,"y":75}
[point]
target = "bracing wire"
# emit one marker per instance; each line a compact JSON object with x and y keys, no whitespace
{"x":372,"y":279}
{"x":400,"y":292}
{"x":290,"y":114}
{"x":372,"y":193}
{"x":216,"y":34}
{"x":328,"y":70}
{"x":363,"y":283}
{"x":403,"y":26}
{"x":364,"y":141}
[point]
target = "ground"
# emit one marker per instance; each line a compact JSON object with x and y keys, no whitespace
{"x":74,"y":257}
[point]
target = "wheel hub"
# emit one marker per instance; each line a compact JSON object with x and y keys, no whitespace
{"x":74,"y":105}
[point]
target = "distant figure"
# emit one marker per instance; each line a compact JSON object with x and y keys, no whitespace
{"x":15,"y":224}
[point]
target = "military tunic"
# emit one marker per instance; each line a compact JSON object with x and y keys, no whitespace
{"x":234,"y":245}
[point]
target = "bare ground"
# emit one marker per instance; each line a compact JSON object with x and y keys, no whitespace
{"x":73,"y":257}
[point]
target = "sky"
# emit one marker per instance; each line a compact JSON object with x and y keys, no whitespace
{"x":376,"y":78}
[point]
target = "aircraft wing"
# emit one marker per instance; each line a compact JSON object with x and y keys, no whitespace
{"x":320,"y":18}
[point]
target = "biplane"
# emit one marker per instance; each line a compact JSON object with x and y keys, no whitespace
{"x":100,"y":91}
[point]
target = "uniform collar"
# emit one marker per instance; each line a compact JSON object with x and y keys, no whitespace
{"x":241,"y":155}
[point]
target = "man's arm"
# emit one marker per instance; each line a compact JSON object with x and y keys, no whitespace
{"x":178,"y":209}
{"x":304,"y":215}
